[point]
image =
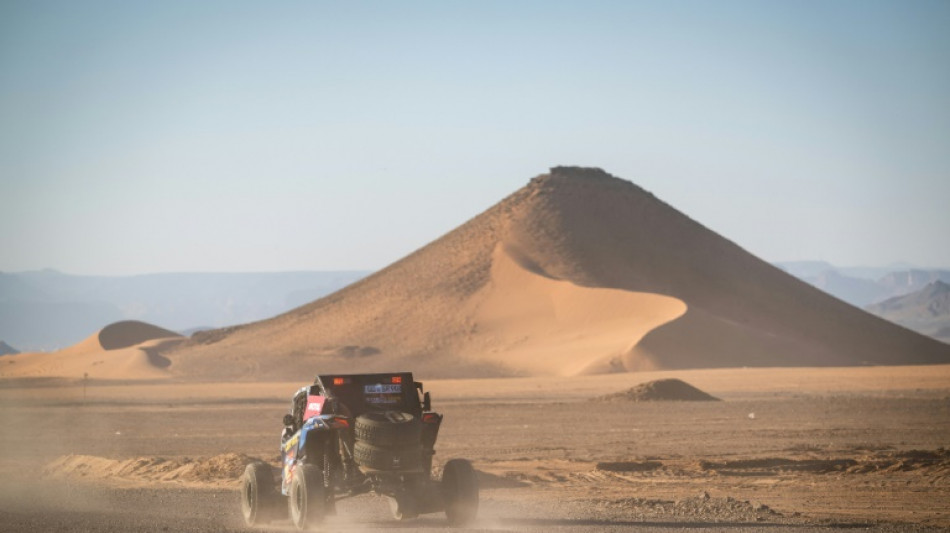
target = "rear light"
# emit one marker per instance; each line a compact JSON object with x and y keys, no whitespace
{"x":337,"y":381}
{"x":430,"y":418}
{"x":397,"y":379}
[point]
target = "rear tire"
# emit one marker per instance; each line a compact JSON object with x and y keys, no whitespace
{"x":258,"y":496}
{"x":460,"y":492}
{"x":306,"y":500}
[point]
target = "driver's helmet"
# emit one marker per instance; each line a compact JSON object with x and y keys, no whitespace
{"x":299,"y":404}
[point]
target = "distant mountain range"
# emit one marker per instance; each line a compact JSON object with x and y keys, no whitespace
{"x":45,"y":310}
{"x":863,"y":286}
{"x":915,"y":298}
{"x":6,"y":349}
{"x":926,"y":311}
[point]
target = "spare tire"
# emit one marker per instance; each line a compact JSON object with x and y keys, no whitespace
{"x":378,"y":458}
{"x":388,"y":429}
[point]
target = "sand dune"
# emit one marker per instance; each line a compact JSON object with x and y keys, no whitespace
{"x":123,"y":350}
{"x":576,"y":272}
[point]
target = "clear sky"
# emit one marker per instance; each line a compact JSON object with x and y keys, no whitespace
{"x":140,"y":137}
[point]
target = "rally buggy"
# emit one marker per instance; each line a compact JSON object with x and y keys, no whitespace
{"x":352,"y":434}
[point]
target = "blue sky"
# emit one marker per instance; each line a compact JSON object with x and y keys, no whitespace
{"x":141,"y":137}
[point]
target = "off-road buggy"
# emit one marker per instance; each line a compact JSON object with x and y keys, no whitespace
{"x":352,"y":434}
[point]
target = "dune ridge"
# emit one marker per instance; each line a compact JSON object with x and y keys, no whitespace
{"x":129,"y":333}
{"x":578,"y":271}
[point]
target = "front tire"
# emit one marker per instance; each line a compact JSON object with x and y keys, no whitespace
{"x":258,"y":496}
{"x":306,"y":500}
{"x":460,"y":491}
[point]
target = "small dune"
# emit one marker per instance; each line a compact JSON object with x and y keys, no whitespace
{"x":660,"y":390}
{"x":123,"y":350}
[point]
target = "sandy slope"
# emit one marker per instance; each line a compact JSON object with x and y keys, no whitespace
{"x":542,"y":325}
{"x":123,"y":350}
{"x":576,"y":272}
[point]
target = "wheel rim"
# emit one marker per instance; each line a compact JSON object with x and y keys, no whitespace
{"x":299,"y":502}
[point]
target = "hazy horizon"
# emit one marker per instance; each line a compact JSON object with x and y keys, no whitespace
{"x":894,"y":266}
{"x":141,"y":138}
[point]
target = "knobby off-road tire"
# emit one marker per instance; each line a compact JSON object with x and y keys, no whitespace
{"x":258,"y":494}
{"x":306,"y":500}
{"x":460,"y":492}
{"x":377,"y":458}
{"x":388,"y":429}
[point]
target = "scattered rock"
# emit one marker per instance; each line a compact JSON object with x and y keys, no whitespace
{"x":356,"y":351}
{"x":702,"y":507}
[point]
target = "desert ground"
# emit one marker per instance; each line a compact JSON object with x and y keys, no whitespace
{"x":787,"y":449}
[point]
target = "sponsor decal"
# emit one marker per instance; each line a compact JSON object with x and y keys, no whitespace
{"x":314,"y":406}
{"x":292,"y":443}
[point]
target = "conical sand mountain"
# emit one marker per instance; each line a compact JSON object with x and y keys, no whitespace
{"x":577,"y":272}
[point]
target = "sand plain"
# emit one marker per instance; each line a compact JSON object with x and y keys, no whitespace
{"x":795,"y":449}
